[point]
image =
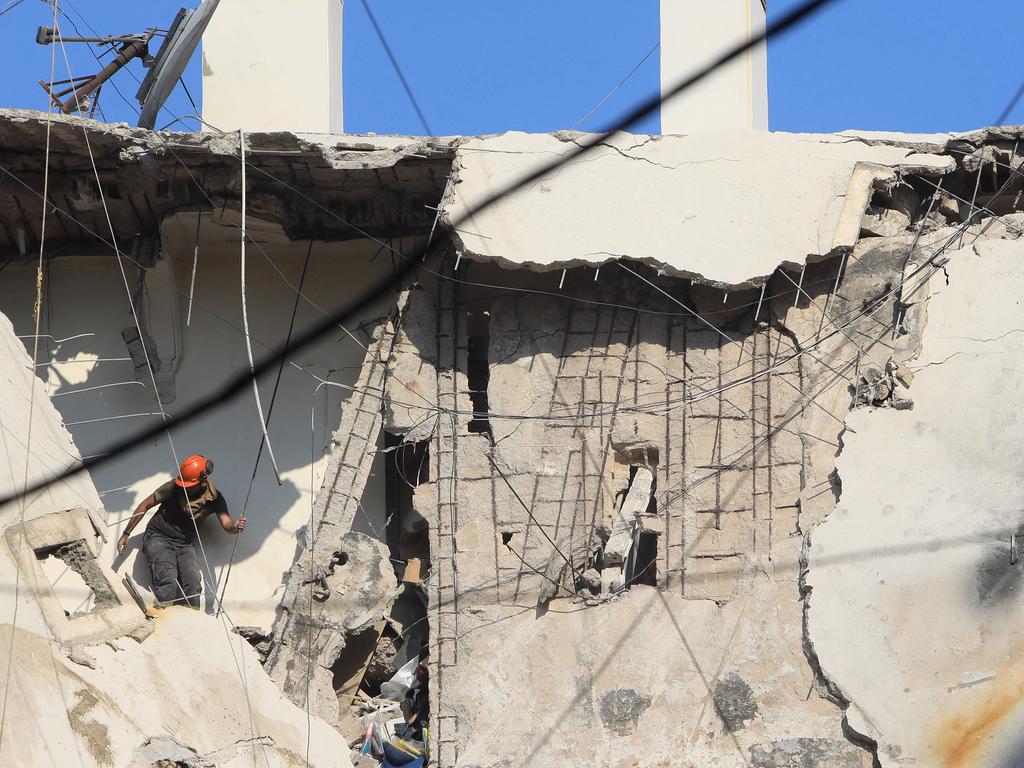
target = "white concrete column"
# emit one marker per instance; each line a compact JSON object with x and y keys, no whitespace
{"x":270,"y":65}
{"x":693,"y":33}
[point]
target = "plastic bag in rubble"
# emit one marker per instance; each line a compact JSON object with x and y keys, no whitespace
{"x":389,"y":711}
{"x":373,"y":743}
{"x":400,"y":682}
{"x":396,"y":756}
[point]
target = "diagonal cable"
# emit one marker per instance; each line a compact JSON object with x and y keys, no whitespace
{"x":233,"y":386}
{"x":398,"y":69}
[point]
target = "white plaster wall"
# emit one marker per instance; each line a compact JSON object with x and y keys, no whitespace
{"x":916,"y":602}
{"x":696,"y":32}
{"x":97,"y":706}
{"x":88,"y":295}
{"x":31,"y":455}
{"x":274,"y":66}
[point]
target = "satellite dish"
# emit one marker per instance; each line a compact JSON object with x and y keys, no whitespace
{"x":169,"y":62}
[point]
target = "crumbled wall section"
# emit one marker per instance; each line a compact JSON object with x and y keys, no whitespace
{"x":729,"y":461}
{"x":741,"y":426}
{"x":70,"y":535}
{"x":308,"y":635}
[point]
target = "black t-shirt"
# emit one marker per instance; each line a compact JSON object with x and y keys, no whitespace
{"x":177,"y":516}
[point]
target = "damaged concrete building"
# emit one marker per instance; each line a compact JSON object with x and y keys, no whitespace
{"x":705,"y":446}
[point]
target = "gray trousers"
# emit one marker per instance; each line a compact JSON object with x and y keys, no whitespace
{"x":176,"y":578}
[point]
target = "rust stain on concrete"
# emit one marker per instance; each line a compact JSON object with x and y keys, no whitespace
{"x":963,"y":735}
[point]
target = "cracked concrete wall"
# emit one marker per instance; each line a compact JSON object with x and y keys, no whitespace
{"x":740,"y":651}
{"x":578,"y":389}
{"x":916,"y":600}
{"x":603,"y":385}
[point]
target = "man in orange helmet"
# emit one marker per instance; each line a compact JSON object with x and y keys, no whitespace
{"x":168,"y":541}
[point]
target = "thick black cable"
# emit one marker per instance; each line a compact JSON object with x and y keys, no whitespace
{"x":380,"y":289}
{"x":398,"y":69}
{"x":1008,"y":109}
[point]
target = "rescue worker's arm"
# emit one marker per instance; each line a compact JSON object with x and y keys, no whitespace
{"x":230,"y":525}
{"x":140,"y":511}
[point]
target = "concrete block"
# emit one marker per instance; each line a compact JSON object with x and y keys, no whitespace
{"x":787,"y":447}
{"x":120,"y":617}
{"x":702,"y":436}
{"x":736,"y":439}
{"x":702,"y":398}
{"x":786,"y":481}
{"x":736,"y":490}
{"x":734,"y":536}
{"x":786,"y":395}
{"x":575,"y":365}
{"x":785,"y":523}
{"x":715,"y":578}
{"x":700,"y":491}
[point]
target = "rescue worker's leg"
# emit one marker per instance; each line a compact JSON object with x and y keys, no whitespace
{"x":163,"y":565}
{"x":188,"y":574}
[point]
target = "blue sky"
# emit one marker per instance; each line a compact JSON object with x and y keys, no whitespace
{"x":538,"y":65}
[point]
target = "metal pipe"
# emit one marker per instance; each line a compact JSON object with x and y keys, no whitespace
{"x":133,"y":50}
{"x":48,"y":36}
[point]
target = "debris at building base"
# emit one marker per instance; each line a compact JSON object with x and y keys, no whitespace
{"x":709,"y":369}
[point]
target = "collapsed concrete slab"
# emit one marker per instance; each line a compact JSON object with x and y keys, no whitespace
{"x":729,"y":207}
{"x":130,"y":704}
{"x":723,"y":357}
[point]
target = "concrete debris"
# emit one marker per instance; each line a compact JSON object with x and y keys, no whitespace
{"x":348,"y":597}
{"x":636,"y":501}
{"x":76,"y":556}
{"x":257,"y":638}
{"x":590,"y":580}
{"x":678,"y":453}
{"x":886,"y":389}
{"x":80,"y":657}
{"x":883,"y":222}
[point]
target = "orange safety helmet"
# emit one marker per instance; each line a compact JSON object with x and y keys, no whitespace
{"x":194,"y":470}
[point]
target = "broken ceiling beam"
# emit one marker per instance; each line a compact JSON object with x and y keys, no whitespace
{"x":311,"y":190}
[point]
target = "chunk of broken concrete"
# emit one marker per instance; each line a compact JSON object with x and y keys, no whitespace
{"x":590,"y":580}
{"x":638,"y":498}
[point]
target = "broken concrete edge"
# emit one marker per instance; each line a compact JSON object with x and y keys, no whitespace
{"x":361,"y":152}
{"x":24,"y":541}
{"x":855,"y":725}
{"x":865,"y":179}
{"x":935,"y":143}
{"x":293,"y":621}
{"x":337,"y":151}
